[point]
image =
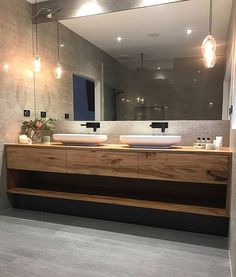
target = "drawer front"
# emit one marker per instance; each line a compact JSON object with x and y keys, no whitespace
{"x":195,"y":168}
{"x":104,"y":163}
{"x":37,"y":159}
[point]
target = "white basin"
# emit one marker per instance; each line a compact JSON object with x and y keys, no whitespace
{"x":163,"y":141}
{"x":81,"y":139}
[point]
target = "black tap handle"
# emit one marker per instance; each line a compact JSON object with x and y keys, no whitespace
{"x":159,"y":125}
{"x":92,"y":125}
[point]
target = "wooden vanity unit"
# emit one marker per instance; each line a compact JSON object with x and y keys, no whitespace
{"x":182,"y":180}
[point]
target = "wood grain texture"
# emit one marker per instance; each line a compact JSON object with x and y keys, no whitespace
{"x":36,"y":159}
{"x":122,"y":201}
{"x":184,"y":167}
{"x":229,"y":187}
{"x":126,"y":148}
{"x":105,"y":163}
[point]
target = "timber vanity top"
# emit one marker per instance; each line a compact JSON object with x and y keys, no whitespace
{"x":180,"y":179}
{"x":126,"y":148}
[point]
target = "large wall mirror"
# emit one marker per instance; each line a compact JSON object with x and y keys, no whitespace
{"x":140,"y":64}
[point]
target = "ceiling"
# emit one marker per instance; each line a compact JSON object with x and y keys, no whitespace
{"x":158,"y":31}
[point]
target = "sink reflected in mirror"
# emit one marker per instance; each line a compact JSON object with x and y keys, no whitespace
{"x":151,"y":141}
{"x":80,"y":139}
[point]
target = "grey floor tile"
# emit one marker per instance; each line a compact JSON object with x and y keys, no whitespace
{"x":42,"y":244}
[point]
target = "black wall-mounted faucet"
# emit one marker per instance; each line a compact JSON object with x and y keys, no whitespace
{"x":92,"y":125}
{"x":161,"y":125}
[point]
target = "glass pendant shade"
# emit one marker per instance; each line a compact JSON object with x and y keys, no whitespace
{"x":209,"y":51}
{"x":37,"y":64}
{"x":6,"y":67}
{"x":58,"y":71}
{"x":209,"y":60}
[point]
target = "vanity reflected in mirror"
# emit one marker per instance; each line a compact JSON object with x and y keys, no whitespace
{"x":140,"y":64}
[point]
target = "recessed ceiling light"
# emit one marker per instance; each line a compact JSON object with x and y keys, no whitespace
{"x":62,"y":44}
{"x":89,"y":8}
{"x":158,"y":68}
{"x":153,"y":35}
{"x":189,"y":31}
{"x":123,"y":57}
{"x":119,"y":39}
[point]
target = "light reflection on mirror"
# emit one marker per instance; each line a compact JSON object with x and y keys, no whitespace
{"x":168,"y":82}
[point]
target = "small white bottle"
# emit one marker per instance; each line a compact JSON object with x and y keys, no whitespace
{"x":218,"y":142}
{"x":199,"y":141}
{"x":203,"y":142}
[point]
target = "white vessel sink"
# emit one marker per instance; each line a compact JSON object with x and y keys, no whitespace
{"x":81,"y":139}
{"x":163,"y":141}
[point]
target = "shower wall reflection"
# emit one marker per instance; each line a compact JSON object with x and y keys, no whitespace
{"x":181,"y":89}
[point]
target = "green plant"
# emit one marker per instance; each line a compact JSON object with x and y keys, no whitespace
{"x":37,"y":125}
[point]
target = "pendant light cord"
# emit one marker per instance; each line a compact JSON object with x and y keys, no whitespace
{"x":36,"y":28}
{"x":210,"y":17}
{"x":142,"y":57}
{"x":33,"y":45}
{"x":36,"y":46}
{"x":58,"y":43}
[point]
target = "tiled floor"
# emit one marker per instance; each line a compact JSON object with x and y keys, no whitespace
{"x":49,"y":245}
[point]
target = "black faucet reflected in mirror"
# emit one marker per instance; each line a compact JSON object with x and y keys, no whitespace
{"x":92,"y":125}
{"x":161,"y":125}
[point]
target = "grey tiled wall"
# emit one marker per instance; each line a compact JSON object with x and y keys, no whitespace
{"x":16,"y":86}
{"x":188,"y":129}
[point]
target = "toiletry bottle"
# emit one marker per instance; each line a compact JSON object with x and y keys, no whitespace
{"x":203,"y":142}
{"x":197,"y":144}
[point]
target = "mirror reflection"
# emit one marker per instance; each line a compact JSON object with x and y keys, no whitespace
{"x":141,"y":64}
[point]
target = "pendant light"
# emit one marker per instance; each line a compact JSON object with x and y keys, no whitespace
{"x":209,"y":44}
{"x":140,"y":99}
{"x":58,"y":70}
{"x":37,"y":60}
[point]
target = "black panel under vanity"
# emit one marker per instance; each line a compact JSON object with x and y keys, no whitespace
{"x":208,"y":195}
{"x":204,"y":195}
{"x":157,"y":218}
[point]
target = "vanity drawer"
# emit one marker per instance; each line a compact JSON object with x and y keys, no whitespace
{"x":37,"y":159}
{"x":105,"y":163}
{"x":195,"y":168}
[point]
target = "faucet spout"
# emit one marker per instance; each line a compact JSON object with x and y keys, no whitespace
{"x":92,"y":125}
{"x":161,"y":125}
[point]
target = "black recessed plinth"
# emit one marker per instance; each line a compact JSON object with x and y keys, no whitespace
{"x":164,"y":219}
